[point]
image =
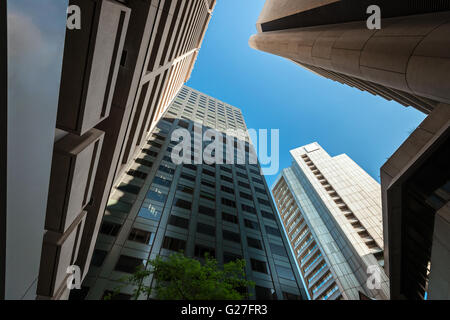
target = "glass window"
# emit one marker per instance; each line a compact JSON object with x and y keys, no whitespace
{"x":264,"y":202}
{"x":257,"y":180}
{"x":154,"y":144}
{"x":209,"y":173}
{"x":268,"y":215}
{"x":251,"y":224}
{"x":178,"y":221}
{"x":248,"y":208}
{"x":180,"y":203}
{"x":227,"y":189}
{"x":141,"y":236}
{"x":200,"y":251}
{"x":150,"y":212}
{"x":278,"y":249}
{"x":260,"y":190}
{"x":254,"y":243}
{"x":229,"y":217}
{"x":226,"y":169}
{"x":174,"y":244}
{"x":166,"y":169}
{"x":183,"y":124}
{"x":225,"y":178}
{"x":206,"y":229}
{"x":231,"y":236}
{"x":207,"y":211}
{"x":229,"y":202}
{"x":208,"y":183}
{"x":229,"y":257}
{"x":246,"y":195}
{"x":110,"y":228}
{"x":186,"y":176}
{"x":259,"y":266}
{"x":137,"y":174}
{"x":162,"y":181}
{"x":128,"y":264}
{"x":156,"y":195}
{"x":150,"y":152}
{"x":207,"y":195}
{"x":242,"y":175}
{"x":284,"y":272}
{"x":98,"y":257}
{"x":190,"y":166}
{"x":186,"y":189}
{"x":273,"y":231}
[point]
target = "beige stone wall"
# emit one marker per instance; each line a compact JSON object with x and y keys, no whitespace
{"x":361,"y":194}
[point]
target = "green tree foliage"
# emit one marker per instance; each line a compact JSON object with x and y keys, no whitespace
{"x":181,"y":278}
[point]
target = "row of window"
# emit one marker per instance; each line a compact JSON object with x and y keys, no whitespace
{"x":146,"y":237}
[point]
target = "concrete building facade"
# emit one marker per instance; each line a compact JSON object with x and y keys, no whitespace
{"x":331,"y":211}
{"x":405,"y":61}
{"x":119,"y":72}
{"x":158,"y":207}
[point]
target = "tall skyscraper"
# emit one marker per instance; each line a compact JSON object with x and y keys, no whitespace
{"x":331,"y":211}
{"x":158,"y":207}
{"x":406,"y":60}
{"x":122,"y":64}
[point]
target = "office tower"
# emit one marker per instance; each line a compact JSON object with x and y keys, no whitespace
{"x":116,"y":75}
{"x":406,"y":60}
{"x":331,"y":211}
{"x":158,"y":207}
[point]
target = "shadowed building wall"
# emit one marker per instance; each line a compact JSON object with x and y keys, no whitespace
{"x":415,"y":183}
{"x":152,"y":50}
{"x":120,"y":70}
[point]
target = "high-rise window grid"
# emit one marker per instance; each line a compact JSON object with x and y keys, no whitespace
{"x":202,"y":202}
{"x":309,"y":256}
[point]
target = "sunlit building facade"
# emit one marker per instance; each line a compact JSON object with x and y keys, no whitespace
{"x":331,"y":211}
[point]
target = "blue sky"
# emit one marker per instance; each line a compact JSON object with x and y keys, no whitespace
{"x":273,"y":92}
